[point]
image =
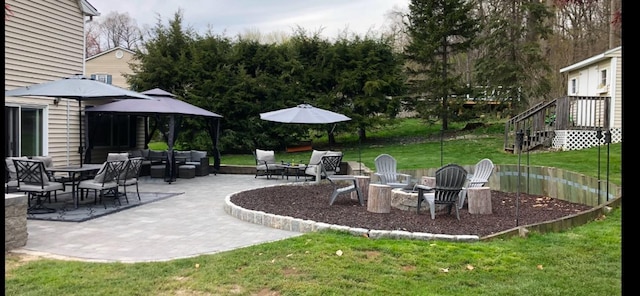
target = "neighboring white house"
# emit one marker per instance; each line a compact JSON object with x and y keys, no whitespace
{"x":44,"y":41}
{"x":597,"y":76}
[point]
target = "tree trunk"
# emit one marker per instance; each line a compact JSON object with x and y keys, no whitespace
{"x":379,"y":198}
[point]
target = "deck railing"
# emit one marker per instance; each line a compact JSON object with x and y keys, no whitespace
{"x":538,"y":124}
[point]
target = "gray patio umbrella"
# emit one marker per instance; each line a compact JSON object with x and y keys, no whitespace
{"x":164,"y":103}
{"x":304,"y":113}
{"x":78,"y":88}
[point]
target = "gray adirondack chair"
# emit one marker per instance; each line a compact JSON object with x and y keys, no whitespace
{"x":449,"y":181}
{"x":386,"y":170}
{"x":481,"y":173}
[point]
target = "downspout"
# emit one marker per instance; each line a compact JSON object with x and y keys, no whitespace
{"x":84,"y":61}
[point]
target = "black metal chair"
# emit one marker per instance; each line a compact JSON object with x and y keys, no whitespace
{"x":266,"y":163}
{"x":131,"y":176}
{"x":106,"y":180}
{"x":449,"y":181}
{"x":33,"y":179}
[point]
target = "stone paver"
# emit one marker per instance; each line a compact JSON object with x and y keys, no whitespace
{"x":186,"y":225}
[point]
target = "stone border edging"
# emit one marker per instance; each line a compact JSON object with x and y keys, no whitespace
{"x":301,"y":225}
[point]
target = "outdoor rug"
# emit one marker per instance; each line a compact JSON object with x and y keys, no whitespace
{"x":87,"y":209}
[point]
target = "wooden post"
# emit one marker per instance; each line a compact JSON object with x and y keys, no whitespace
{"x":379,"y":198}
{"x":363,"y":183}
{"x":429,"y":181}
{"x":479,"y":200}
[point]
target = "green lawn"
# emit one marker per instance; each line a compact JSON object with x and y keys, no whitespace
{"x":586,"y":260}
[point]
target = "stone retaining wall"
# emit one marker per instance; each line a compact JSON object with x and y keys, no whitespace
{"x":15,"y":221}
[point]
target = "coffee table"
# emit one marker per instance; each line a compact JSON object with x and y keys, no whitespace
{"x":288,"y":169}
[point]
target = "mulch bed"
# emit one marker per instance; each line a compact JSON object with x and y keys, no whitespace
{"x":311,"y":202}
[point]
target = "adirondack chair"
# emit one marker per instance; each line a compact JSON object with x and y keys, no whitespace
{"x":386,"y":171}
{"x":481,"y":173}
{"x":449,"y":181}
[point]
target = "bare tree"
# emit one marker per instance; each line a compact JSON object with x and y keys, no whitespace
{"x":92,"y":37}
{"x":120,"y":30}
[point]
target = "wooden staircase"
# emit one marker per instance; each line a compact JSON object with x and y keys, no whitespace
{"x":538,"y":124}
{"x":535,"y":124}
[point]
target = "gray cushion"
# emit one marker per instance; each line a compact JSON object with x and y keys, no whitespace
{"x":48,"y":160}
{"x":135,"y":153}
{"x":11,"y":166}
{"x":197,"y":155}
{"x":267,"y":156}
{"x":183,"y":155}
{"x":117,"y":156}
{"x":157,"y":154}
{"x":101,"y":173}
{"x":316,"y":155}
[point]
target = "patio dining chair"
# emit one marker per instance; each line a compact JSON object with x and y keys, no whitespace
{"x":32,"y":178}
{"x":106,"y":180}
{"x":131,"y":176}
{"x":481,"y":173}
{"x":386,"y":170}
{"x":449,"y":181}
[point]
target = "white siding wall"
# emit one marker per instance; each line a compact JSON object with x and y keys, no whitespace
{"x":44,"y":41}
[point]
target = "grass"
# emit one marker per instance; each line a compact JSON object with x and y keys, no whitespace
{"x":585,"y":260}
{"x":430,"y":152}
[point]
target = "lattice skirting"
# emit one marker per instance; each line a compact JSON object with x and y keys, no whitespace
{"x":581,"y":139}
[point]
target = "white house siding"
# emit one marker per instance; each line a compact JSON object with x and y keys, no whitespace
{"x":108,"y":63}
{"x":44,"y":41}
{"x":617,"y":91}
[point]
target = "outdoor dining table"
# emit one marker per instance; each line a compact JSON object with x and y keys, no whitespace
{"x":76,"y":174}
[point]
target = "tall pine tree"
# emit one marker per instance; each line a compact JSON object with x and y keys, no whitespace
{"x":438,"y":30}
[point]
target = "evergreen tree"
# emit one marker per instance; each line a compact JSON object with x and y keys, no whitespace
{"x":511,"y":68}
{"x":438,"y":30}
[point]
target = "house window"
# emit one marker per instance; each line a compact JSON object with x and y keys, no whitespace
{"x":603,"y":78}
{"x":112,"y":130}
{"x":24,"y":131}
{"x":574,"y":86}
{"x":106,"y":78}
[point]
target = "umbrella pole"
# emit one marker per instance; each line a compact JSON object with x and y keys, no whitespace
{"x":80,"y":149}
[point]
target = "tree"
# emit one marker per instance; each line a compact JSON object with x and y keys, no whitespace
{"x":92,"y":39}
{"x":368,"y":80}
{"x":511,"y":66}
{"x":439,"y":30}
{"x":120,"y":30}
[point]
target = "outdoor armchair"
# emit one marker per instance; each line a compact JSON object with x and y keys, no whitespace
{"x":388,"y":174}
{"x":265,"y":163}
{"x":323,"y":164}
{"x":449,"y":181}
{"x":481,"y":173}
{"x":33,"y":179}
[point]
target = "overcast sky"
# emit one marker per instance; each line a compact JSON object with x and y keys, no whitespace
{"x":233,"y":17}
